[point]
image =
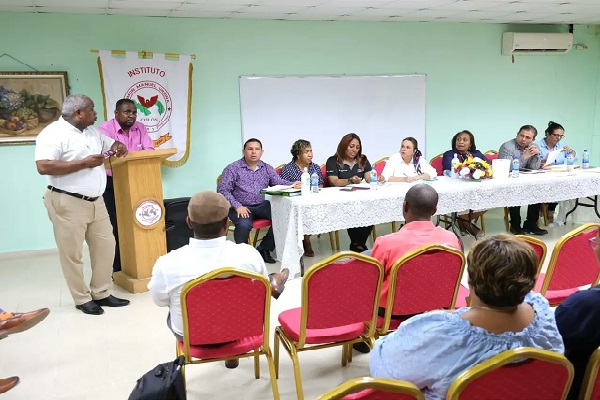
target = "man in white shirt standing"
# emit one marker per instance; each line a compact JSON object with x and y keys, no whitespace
{"x":208,"y":250}
{"x":70,"y":152}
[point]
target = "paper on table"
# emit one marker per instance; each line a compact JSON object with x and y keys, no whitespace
{"x":552,"y":156}
{"x":277,"y":188}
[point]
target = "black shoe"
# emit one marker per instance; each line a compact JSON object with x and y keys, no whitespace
{"x":534,"y":230}
{"x":516,"y":230}
{"x":357,"y":247}
{"x":112,"y":301}
{"x":361,"y":347}
{"x":266,"y":255}
{"x":90,"y":308}
{"x":231,"y":364}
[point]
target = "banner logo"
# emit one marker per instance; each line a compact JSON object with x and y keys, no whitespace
{"x":153,"y":103}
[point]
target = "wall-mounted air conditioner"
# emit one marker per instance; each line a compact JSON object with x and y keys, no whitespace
{"x":536,"y":43}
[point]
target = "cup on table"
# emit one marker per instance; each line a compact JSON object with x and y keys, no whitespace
{"x":501,"y":168}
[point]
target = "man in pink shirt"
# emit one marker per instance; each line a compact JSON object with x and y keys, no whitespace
{"x":125,"y":129}
{"x":420,"y":204}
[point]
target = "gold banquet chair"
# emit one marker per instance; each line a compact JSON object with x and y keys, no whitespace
{"x":226,"y":315}
{"x":374,"y":389}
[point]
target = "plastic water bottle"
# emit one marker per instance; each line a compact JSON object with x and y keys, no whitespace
{"x":570,"y":161}
{"x":305,"y":182}
{"x":314,"y":183}
{"x":455,"y":162}
{"x":516,"y":164}
{"x":585,"y":159}
{"x":374,"y":179}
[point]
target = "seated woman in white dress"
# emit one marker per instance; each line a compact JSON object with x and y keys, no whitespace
{"x":431,"y":350}
{"x":408,"y":165}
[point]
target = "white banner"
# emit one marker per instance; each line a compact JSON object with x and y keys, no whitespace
{"x":161,"y":89}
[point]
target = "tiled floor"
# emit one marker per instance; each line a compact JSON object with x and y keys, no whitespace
{"x":78,"y":357}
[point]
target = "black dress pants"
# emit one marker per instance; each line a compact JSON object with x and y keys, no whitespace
{"x":109,"y":200}
{"x":533,"y":214}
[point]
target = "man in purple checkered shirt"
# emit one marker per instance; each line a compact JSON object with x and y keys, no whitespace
{"x":241,"y":183}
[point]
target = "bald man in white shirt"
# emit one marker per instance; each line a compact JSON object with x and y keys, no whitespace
{"x":71,"y":152}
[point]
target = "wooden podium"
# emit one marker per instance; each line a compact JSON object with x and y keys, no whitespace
{"x":140,"y":215}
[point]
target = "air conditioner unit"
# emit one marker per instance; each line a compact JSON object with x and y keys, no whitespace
{"x":536,"y":43}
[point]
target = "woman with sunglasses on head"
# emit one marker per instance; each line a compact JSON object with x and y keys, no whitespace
{"x":552,"y":142}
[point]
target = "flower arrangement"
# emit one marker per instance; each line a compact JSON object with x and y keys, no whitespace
{"x":473,"y":168}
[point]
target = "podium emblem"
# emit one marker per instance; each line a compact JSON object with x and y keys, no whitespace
{"x":148,"y":213}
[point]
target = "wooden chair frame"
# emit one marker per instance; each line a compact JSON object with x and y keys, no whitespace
{"x":265,"y":348}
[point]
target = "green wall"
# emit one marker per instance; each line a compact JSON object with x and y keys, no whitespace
{"x":469,"y":85}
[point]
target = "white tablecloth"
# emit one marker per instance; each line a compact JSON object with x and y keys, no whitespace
{"x":332,"y":209}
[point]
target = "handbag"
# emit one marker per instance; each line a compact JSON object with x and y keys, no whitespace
{"x":163,"y":382}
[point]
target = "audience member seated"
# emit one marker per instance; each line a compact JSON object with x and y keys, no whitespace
{"x":241,"y":183}
{"x":432,"y":349}
{"x":420,"y":205}
{"x":11,"y":323}
{"x":463,"y":145}
{"x":208,"y":250}
{"x":302,"y":156}
{"x":528,"y":154}
{"x":349,"y":166}
{"x":578,"y":320}
{"x":553,"y":141}
{"x":408,"y":165}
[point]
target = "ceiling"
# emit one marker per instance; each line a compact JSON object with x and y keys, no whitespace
{"x":484,"y":11}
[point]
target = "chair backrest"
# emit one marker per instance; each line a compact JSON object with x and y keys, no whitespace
{"x":539,"y":247}
{"x":573,"y":262}
{"x":436,"y":162}
{"x":324,"y":174}
{"x":225,"y":305}
{"x":522,"y":373}
{"x":491,"y":155}
{"x":341,"y":290}
{"x":219,"y":179}
{"x":590,"y":388}
{"x":380,"y":165}
{"x":374,"y":389}
{"x":278,"y":169}
{"x":424,"y":279}
{"x":178,"y":232}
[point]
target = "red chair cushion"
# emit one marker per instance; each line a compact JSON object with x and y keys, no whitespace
{"x":261,"y":223}
{"x":373,"y":394}
{"x":290,"y":323}
{"x":436,"y":163}
{"x":461,"y":299}
{"x":554,"y":297}
{"x":240,"y":346}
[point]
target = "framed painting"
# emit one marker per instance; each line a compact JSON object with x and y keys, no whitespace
{"x":29,"y":101}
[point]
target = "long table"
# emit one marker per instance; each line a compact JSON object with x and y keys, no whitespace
{"x":332,"y":209}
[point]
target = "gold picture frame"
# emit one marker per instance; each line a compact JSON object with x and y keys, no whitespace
{"x":29,"y":101}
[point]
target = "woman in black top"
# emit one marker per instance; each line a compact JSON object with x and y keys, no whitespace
{"x":347,"y":166}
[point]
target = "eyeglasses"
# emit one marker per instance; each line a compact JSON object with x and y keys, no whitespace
{"x":556,"y":135}
{"x":594,"y":243}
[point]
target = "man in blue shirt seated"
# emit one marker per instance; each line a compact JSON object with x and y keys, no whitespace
{"x":578,"y":320}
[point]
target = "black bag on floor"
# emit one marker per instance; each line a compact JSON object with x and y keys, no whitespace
{"x":163,"y":382}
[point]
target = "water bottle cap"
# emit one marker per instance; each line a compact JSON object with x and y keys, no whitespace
{"x":585,"y":150}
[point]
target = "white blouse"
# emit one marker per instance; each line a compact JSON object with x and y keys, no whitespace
{"x":395,"y":166}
